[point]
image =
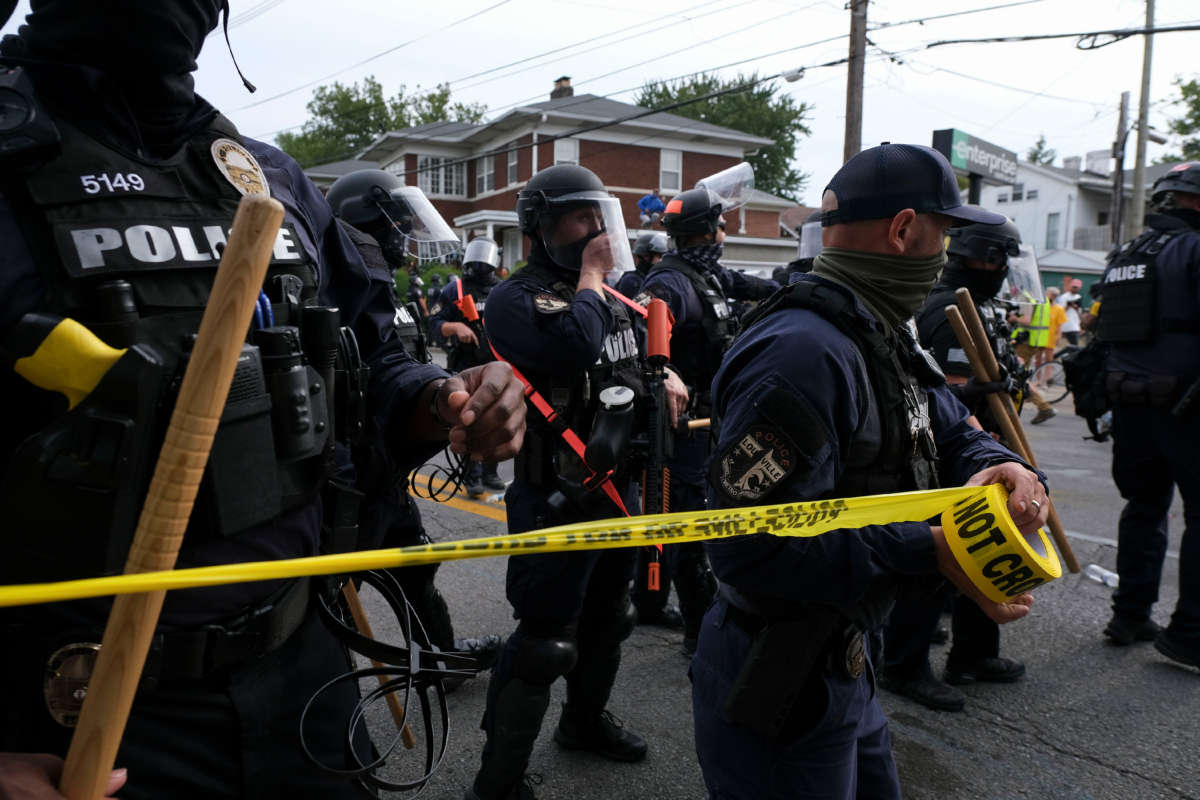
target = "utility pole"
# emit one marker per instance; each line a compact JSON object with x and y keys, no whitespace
{"x":854,"y":79}
{"x":1116,"y":210}
{"x":1133,"y":225}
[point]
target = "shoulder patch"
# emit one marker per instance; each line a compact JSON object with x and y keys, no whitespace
{"x":436,"y":308}
{"x":755,"y":464}
{"x":239,"y":167}
{"x":644,"y":298}
{"x":547,"y":303}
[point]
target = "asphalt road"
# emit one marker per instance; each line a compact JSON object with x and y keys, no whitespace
{"x":1089,"y":721}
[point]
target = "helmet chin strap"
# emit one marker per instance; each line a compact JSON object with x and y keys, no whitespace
{"x":250,"y":87}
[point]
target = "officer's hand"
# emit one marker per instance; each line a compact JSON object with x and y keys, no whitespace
{"x":1027,"y":501}
{"x":35,"y":776}
{"x":677,"y":396}
{"x":462,"y":332}
{"x":487,"y":405}
{"x":999,"y":613}
{"x":597,"y":258}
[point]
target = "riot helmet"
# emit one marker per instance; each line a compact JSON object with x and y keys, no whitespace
{"x":563,"y":208}
{"x":994,"y":244}
{"x":650,"y":244}
{"x":691,"y":213}
{"x":400,"y":217}
{"x":810,"y":238}
{"x":1183,"y":177}
{"x":480,"y":260}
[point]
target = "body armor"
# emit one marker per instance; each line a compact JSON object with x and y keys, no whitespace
{"x":1130,"y":307}
{"x":129,"y":248}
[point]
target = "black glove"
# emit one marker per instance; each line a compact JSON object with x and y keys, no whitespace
{"x":972,"y":391}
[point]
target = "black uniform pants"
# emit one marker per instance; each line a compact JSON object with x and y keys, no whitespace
{"x":236,"y":735}
{"x":913,"y":621}
{"x":1153,"y":453}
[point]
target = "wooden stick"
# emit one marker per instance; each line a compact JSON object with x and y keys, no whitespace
{"x":172,"y":491}
{"x":696,"y":424}
{"x":1010,"y":426}
{"x":364,"y":627}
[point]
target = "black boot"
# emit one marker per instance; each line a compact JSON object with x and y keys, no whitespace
{"x":485,"y":649}
{"x":600,"y":732}
{"x":512,"y":722}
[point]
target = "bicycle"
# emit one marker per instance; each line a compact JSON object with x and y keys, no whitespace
{"x":1050,"y":375}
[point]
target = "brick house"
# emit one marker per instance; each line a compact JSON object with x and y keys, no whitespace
{"x":472,"y":176}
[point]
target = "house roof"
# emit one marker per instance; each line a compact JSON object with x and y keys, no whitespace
{"x":1092,"y":180}
{"x":1087,"y":260}
{"x":576,"y":110}
{"x":336,"y":169}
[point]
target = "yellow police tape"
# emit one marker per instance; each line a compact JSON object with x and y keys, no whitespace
{"x":992,"y":550}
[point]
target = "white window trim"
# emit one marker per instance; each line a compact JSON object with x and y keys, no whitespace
{"x":563,"y":144}
{"x":485,"y":174}
{"x":425,"y":176}
{"x":514,"y":170}
{"x":663,"y":153}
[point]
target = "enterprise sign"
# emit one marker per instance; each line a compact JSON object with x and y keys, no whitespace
{"x":975,"y":156}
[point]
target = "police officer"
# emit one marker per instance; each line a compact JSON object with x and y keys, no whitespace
{"x":695,"y":286}
{"x":467,"y":339}
{"x":370,"y":205}
{"x":978,"y":257}
{"x":1151,"y":320}
{"x":110,"y":97}
{"x":575,"y":345}
{"x":648,"y":250}
{"x":827,"y":395}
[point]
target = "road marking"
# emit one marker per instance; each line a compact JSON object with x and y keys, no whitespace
{"x":492,"y":507}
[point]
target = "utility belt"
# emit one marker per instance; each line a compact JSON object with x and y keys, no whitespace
{"x":1155,"y":391}
{"x":787,"y":654}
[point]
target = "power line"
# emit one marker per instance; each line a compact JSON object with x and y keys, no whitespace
{"x":923,"y":20}
{"x":253,"y":12}
{"x":1084,"y":37}
{"x":381,"y":54}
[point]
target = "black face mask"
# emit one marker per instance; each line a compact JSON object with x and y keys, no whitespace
{"x":982,"y":284}
{"x":394,"y":245}
{"x":570,"y":256}
{"x":480,"y":272}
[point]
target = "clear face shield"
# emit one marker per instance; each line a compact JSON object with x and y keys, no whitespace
{"x":729,"y":187}
{"x":586,"y":222}
{"x":420,"y":230}
{"x":810,"y":239}
{"x":1024,"y":282}
{"x":483,"y":251}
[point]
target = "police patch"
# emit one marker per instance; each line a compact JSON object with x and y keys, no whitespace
{"x":755,"y":464}
{"x":548,"y":303}
{"x":643,"y":299}
{"x":239,"y":167}
{"x":436,"y":308}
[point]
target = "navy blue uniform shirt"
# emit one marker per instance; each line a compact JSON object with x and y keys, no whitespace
{"x":801,"y":353}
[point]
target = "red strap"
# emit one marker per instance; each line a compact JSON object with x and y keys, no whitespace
{"x":638,"y":308}
{"x":569,"y":436}
{"x":458,"y":285}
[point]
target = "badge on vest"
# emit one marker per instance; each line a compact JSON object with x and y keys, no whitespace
{"x":756,"y":464}
{"x":239,"y":167}
{"x":547,"y":303}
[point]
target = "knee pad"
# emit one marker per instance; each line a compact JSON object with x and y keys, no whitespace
{"x":611,"y":629}
{"x":543,"y":660}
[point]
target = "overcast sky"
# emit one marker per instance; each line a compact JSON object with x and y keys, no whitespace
{"x":1070,"y":95}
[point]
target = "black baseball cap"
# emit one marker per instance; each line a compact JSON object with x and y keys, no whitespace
{"x":882,"y":181}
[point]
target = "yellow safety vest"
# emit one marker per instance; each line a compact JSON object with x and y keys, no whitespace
{"x":1039,"y":325}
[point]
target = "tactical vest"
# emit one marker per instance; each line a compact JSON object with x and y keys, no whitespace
{"x":899,"y":372}
{"x":697,"y":348}
{"x":574,"y":397}
{"x":1130,"y":310}
{"x":407,"y":328}
{"x":130,"y":249}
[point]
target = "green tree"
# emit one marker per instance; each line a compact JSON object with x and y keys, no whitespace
{"x":345,"y":119}
{"x":1040,"y":154}
{"x":761,"y":110}
{"x":1187,"y":125}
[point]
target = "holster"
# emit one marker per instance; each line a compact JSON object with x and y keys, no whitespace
{"x":781,"y":660}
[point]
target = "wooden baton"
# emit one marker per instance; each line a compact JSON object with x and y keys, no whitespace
{"x":168,"y":505}
{"x":1010,"y":425}
{"x":364,"y":627}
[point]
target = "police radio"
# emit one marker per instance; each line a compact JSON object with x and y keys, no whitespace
{"x":28,"y":137}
